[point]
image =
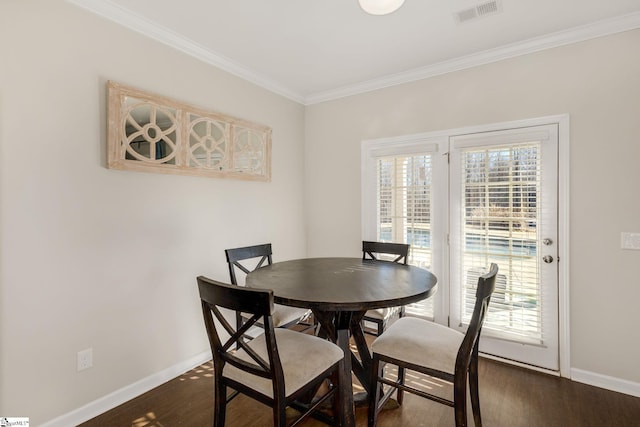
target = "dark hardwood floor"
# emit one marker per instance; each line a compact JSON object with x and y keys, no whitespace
{"x":510,"y":397}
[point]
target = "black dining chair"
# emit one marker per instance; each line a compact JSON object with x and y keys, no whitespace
{"x":383,"y":251}
{"x":245,"y":260}
{"x":279,"y":368}
{"x":436,"y":350}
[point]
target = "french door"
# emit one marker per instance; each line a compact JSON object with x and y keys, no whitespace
{"x":463,"y":202}
{"x":503,"y":209}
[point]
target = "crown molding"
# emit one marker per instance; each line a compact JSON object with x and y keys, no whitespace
{"x":109,"y":10}
{"x":113,"y":12}
{"x":549,"y":41}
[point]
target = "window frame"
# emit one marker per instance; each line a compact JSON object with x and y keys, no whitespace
{"x":407,"y":146}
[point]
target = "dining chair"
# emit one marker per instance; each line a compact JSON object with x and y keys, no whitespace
{"x":245,"y":260}
{"x":436,"y":350}
{"x":278,"y":368}
{"x":399,"y":253}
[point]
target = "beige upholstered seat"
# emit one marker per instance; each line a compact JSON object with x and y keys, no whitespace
{"x":435,"y":350}
{"x":382,"y":314}
{"x":420,"y":342}
{"x":284,"y":316}
{"x":303,"y":358}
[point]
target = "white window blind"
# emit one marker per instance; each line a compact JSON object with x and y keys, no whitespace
{"x":404,"y":211}
{"x":500,"y":213}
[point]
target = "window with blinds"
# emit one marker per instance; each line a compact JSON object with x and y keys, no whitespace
{"x":404,"y":211}
{"x":500,"y":213}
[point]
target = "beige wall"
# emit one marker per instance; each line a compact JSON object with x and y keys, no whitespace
{"x":598,"y":83}
{"x":107,"y":259}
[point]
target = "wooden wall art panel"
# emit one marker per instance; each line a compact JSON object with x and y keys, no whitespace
{"x":151,"y":133}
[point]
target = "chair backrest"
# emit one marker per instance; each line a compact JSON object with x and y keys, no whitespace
{"x":256,"y":302}
{"x":370,"y":250}
{"x":486,"y":286}
{"x":234,"y":256}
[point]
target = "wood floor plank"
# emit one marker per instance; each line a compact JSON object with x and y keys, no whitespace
{"x":510,"y":397}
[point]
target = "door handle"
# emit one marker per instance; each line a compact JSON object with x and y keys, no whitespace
{"x":548,"y":259}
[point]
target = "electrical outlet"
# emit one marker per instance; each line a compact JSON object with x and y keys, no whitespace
{"x":85,"y":359}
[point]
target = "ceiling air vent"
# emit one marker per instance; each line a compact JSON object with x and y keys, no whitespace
{"x":479,"y":10}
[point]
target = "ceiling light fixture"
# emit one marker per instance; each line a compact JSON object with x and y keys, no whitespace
{"x":380,"y":7}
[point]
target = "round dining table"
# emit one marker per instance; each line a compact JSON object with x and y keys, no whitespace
{"x":339,"y":291}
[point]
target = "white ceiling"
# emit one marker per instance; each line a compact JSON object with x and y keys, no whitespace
{"x":315,"y":50}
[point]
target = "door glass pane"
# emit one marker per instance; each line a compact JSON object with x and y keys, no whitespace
{"x":404,"y":211}
{"x":500,"y":217}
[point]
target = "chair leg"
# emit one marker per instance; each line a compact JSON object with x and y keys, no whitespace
{"x":220,"y":404}
{"x":238,"y":326}
{"x":279,"y":413}
{"x":473,"y":390}
{"x":400,"y":392}
{"x":380,"y":327}
{"x":376,"y":371}
{"x":338,"y":412}
{"x":460,"y":399}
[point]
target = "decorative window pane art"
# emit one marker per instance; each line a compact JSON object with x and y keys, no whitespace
{"x":151,"y":133}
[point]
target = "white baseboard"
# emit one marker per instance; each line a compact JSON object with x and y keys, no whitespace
{"x":606,"y":382}
{"x":118,"y":397}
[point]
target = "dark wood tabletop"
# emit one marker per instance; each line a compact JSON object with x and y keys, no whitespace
{"x":343,"y":284}
{"x":339,"y":291}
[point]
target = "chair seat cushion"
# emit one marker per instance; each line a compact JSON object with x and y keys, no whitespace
{"x":420,"y":342}
{"x":303,"y":358}
{"x":283,"y":315}
{"x":382,"y":313}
